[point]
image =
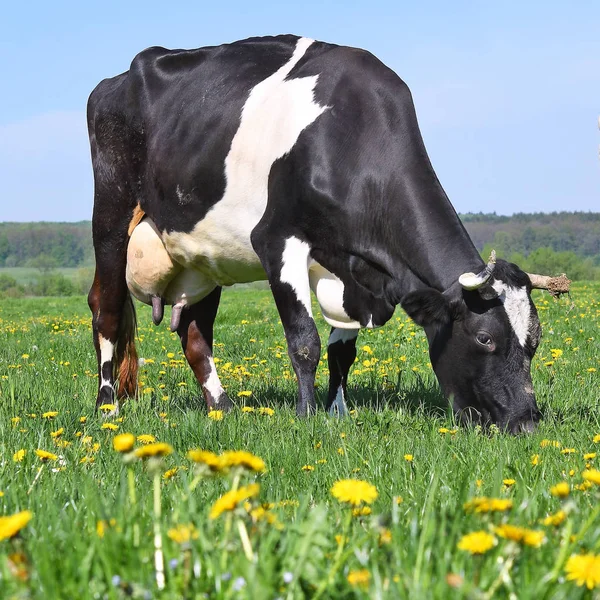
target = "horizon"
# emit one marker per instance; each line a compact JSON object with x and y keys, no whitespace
{"x":507,"y":97}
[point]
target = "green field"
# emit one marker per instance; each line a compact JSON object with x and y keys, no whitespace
{"x":98,"y":516}
{"x":25,"y":275}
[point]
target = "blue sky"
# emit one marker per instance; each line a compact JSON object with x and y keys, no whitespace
{"x":507,"y":93}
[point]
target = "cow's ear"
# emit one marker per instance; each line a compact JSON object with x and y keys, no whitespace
{"x":428,"y":307}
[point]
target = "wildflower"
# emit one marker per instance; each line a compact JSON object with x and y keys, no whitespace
{"x":556,"y":519}
{"x":308,"y":468}
{"x":170,"y":473}
{"x":509,"y":482}
{"x":57,"y":433}
{"x":546,"y":443}
{"x":50,"y":414}
{"x":359,"y":578}
{"x":596,"y":438}
{"x":146,"y":438}
{"x":556,"y":353}
{"x":44,"y":456}
{"x":354,"y":491}
{"x":232,"y":499}
{"x":123,"y":442}
{"x":241,"y":458}
{"x":408,"y":457}
{"x":529,"y":537}
{"x":477,"y":542}
{"x":485,"y":505}
{"x":446,"y":430}
{"x":584,"y":569}
{"x":11,"y":525}
{"x":182,"y":534}
{"x":385,"y":537}
{"x":568,"y":451}
{"x":534,"y":538}
{"x":215,"y":415}
{"x":158,"y":449}
{"x":107,"y":407}
{"x":561,"y":490}
{"x":19,"y":455}
{"x":247,"y":409}
{"x":205,"y":457}
{"x":244,"y":394}
{"x":535,"y":460}
{"x":110,"y":426}
{"x":592,"y":475}
{"x":363,"y":511}
{"x":589,"y":456}
{"x":265,"y":410}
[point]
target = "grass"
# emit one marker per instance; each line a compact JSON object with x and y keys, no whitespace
{"x":95,"y":515}
{"x":27,"y":275}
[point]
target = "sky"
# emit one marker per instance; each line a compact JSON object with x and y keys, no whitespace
{"x":507,"y":93}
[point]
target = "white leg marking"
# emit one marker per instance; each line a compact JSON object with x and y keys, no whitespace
{"x":294,"y":270}
{"x":274,"y":115}
{"x":517,"y":307}
{"x":106,"y":353}
{"x":213,"y":383}
{"x":339,"y":408}
{"x":342,"y":335}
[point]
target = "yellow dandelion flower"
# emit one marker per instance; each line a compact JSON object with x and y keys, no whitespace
{"x":170,"y":473}
{"x":354,"y":491}
{"x":556,"y":353}
{"x":109,"y":426}
{"x":123,"y":442}
{"x":19,"y":455}
{"x":45,"y":456}
{"x":82,"y":419}
{"x":244,"y":394}
{"x":596,"y":438}
{"x":560,"y":490}
{"x":308,"y":468}
{"x":157,"y":449}
{"x":50,"y":414}
{"x":182,"y":534}
{"x":241,"y":458}
{"x":247,"y":409}
{"x":547,"y":443}
{"x":584,"y":569}
{"x":509,"y":482}
{"x":57,"y":433}
{"x":265,"y":410}
{"x":107,"y":407}
{"x":484,"y":505}
{"x":408,"y":457}
{"x":232,"y":499}
{"x":589,"y":456}
{"x":363,"y":511}
{"x":146,"y":438}
{"x":592,"y":475}
{"x":385,"y":537}
{"x":215,"y":415}
{"x":477,"y":542}
{"x":534,"y":538}
{"x":359,"y":578}
{"x":568,"y":451}
{"x":535,"y":460}
{"x":205,"y":457}
{"x":11,"y":525}
{"x":556,"y":519}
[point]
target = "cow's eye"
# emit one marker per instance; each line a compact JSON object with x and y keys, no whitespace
{"x":485,"y":339}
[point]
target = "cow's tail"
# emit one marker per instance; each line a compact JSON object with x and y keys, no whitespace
{"x":126,"y":358}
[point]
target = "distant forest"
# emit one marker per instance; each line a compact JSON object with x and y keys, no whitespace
{"x":547,"y":243}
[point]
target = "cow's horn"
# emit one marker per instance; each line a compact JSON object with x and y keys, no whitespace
{"x":470,"y":281}
{"x":555,"y":285}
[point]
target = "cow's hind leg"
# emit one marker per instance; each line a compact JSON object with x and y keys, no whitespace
{"x":341,"y":353}
{"x":286,"y":264}
{"x":196,"y":333}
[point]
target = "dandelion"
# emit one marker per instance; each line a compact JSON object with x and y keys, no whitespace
{"x":123,"y":442}
{"x":82,"y":419}
{"x":589,"y":456}
{"x":568,"y":451}
{"x":535,"y":460}
{"x":592,"y":475}
{"x":11,"y":525}
{"x":50,"y":414}
{"x":109,"y":426}
{"x":584,"y":569}
{"x":244,"y":394}
{"x":509,"y":482}
{"x":57,"y":433}
{"x":215,"y":415}
{"x":241,"y":458}
{"x":556,"y":353}
{"x":477,"y":542}
{"x":359,"y":578}
{"x":408,"y":457}
{"x":182,"y":534}
{"x":560,"y":490}
{"x":363,"y":511}
{"x":556,"y":519}
{"x":529,"y":537}
{"x":265,"y":410}
{"x":247,"y":409}
{"x":205,"y":457}
{"x":547,"y":443}
{"x":146,"y":438}
{"x":485,"y":505}
{"x":308,"y":468}
{"x":107,"y":408}
{"x":19,"y":455}
{"x":354,"y":491}
{"x":157,"y":449}
{"x":596,"y":438}
{"x":232,"y":499}
{"x":44,"y":456}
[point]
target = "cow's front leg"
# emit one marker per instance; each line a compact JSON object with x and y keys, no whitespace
{"x":286,"y":264}
{"x":341,"y":353}
{"x":195,"y":329}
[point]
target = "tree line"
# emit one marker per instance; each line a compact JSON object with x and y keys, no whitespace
{"x":548,"y":243}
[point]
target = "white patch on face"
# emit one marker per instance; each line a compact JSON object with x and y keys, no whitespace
{"x":342,"y":335}
{"x":339,"y":408}
{"x":517,"y":307}
{"x":275,"y":114}
{"x":329,"y":290}
{"x":294,"y":270}
{"x":106,"y":353}
{"x":213,"y":383}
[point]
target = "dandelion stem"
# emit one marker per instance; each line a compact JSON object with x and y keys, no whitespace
{"x":159,"y":562}
{"x":246,"y":544}
{"x":133,"y":501}
{"x":501,"y":577}
{"x":37,"y":476}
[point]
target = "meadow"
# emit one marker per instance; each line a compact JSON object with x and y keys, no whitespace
{"x":432,"y":509}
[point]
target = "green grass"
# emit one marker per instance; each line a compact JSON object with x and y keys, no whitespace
{"x":27,"y":275}
{"x":47,"y":363}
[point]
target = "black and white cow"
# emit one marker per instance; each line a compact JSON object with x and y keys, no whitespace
{"x":300,"y":162}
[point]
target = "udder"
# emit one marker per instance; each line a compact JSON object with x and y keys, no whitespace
{"x":154,"y":278}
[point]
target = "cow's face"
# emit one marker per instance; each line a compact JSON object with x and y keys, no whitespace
{"x":481,"y":343}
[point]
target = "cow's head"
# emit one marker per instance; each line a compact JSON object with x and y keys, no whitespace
{"x":483,"y":333}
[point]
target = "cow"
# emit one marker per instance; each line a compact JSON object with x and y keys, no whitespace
{"x":299,"y":162}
